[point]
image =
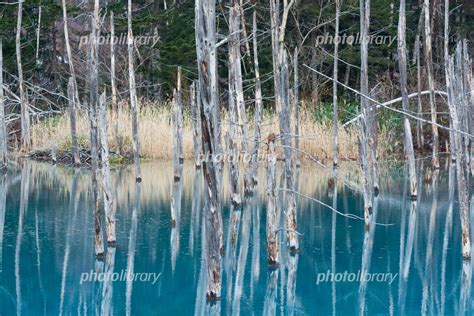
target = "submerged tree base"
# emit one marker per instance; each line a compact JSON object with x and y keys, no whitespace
{"x":67,"y":158}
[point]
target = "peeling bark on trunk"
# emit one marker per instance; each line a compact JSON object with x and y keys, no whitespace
{"x":290,"y":217}
{"x":232,"y":149}
{"x":3,"y":129}
{"x":458,"y":100}
{"x":133,"y":96}
{"x":272,"y":214}
{"x":93,"y":100}
{"x":429,"y":72}
{"x":72,"y":121}
{"x":196,"y":125}
{"x":205,"y":20}
{"x":25,"y":107}
{"x":236,"y":88}
{"x":402,"y":59}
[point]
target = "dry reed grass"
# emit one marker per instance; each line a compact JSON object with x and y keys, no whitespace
{"x":156,"y":134}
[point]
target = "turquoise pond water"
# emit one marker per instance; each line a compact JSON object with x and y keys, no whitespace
{"x":47,"y":263}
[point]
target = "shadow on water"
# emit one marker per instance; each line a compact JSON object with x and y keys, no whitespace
{"x":48,"y":266}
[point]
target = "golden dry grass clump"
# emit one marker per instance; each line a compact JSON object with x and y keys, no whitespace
{"x":156,"y":133}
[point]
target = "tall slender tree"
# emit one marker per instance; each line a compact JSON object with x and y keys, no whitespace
{"x":133,"y":96}
{"x":402,"y":61}
{"x":205,"y":27}
{"x":25,"y":107}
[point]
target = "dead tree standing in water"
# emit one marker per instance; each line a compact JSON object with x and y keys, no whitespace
{"x":402,"y":59}
{"x":133,"y":96}
{"x":233,"y":151}
{"x":429,"y":73}
{"x":459,"y":98}
{"x":93,"y":100}
{"x":25,"y":107}
{"x":290,"y":220}
{"x":258,"y":104}
{"x":272,"y":213}
{"x":106,"y":180}
{"x":205,"y":20}
{"x":178,"y":157}
{"x":236,"y":88}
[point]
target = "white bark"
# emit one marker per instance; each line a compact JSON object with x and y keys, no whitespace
{"x":133,"y":96}
{"x":429,"y":73}
{"x":106,"y":178}
{"x":290,"y":218}
{"x":402,"y":58}
{"x":458,"y":100}
{"x":258,"y":105}
{"x":113,"y":84}
{"x":236,"y":88}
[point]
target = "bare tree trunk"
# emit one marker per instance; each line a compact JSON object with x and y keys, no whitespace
{"x":236,"y":87}
{"x":25,"y":108}
{"x":133,"y":96}
{"x":275,"y":24}
{"x":402,"y":58}
{"x":258,"y":104}
{"x":232,"y":150}
{"x":366,"y":126}
{"x":429,"y":71}
{"x":72,"y":120}
{"x":178,"y":157}
{"x":334,"y":88}
{"x":205,"y":20}
{"x":452,"y":148}
{"x":196,"y":125}
{"x":69,"y":54}
{"x":106,"y":180}
{"x":93,"y":100}
{"x":290,"y":219}
{"x":457,"y":100}
{"x":272,"y":213}
{"x":419,"y":125}
{"x":3,"y":129}
{"x":368,"y":109}
{"x":38,"y":29}
{"x":113,"y":83}
{"x":296,"y":106}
